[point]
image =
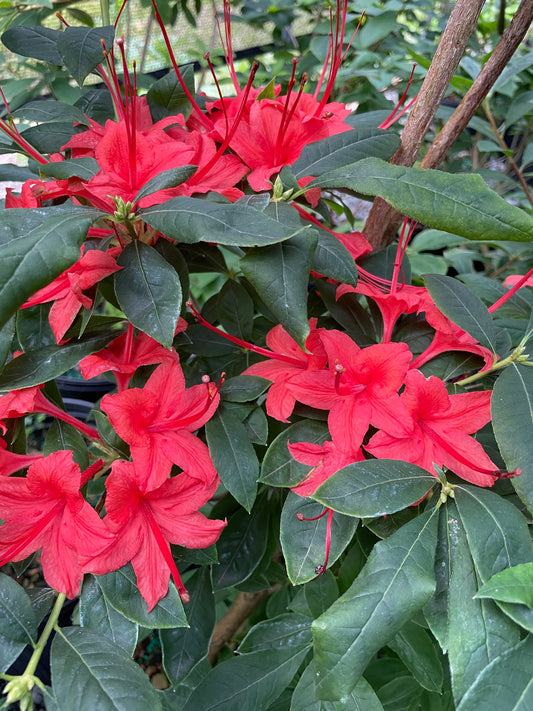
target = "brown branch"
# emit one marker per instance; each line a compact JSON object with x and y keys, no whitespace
{"x":461,"y":24}
{"x":234,"y":618}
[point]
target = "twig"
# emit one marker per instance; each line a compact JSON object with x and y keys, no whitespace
{"x":234,"y":618}
{"x":381,"y":225}
{"x":504,"y":147}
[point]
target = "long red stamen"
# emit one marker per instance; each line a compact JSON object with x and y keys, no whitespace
{"x":512,"y":290}
{"x":215,"y":79}
{"x":124,"y":3}
{"x":245,"y":344}
{"x":281,"y":129}
{"x":392,"y":117}
{"x":403,"y":241}
{"x":227,"y":45}
{"x":447,"y":447}
{"x":198,"y":113}
{"x":164,"y":547}
{"x":301,"y":517}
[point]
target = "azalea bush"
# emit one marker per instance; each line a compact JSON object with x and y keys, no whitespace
{"x":310,"y":481}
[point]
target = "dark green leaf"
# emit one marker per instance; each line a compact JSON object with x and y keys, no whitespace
{"x":233,"y":456}
{"x":33,"y":41}
{"x":332,"y":259}
{"x":166,"y":179}
{"x":396,"y":582}
{"x":89,"y":672}
{"x":241,"y":546}
{"x":191,"y":220}
{"x":374,"y":487}
{"x":33,"y":328}
{"x":418,"y":652}
{"x":81,"y":49}
{"x":235,"y":310}
{"x":84,"y":168}
{"x":166,"y":96}
{"x":508,"y":680}
{"x":49,"y":137}
{"x":48,"y":110}
{"x":37,"y":367}
{"x":512,"y":419}
{"x":361,"y":698}
{"x":321,"y":593}
{"x":279,"y":468}
{"x":243,"y":388}
{"x":510,"y":585}
{"x":304,"y":542}
{"x":183,"y":647}
{"x":280,"y":275}
{"x":251,"y":681}
{"x":36,"y":246}
{"x":60,"y":435}
{"x":287,"y":630}
{"x":98,"y":616}
{"x":478,"y":631}
{"x":148,"y":291}
{"x":460,"y":204}
{"x":17,"y":618}
{"x":121,"y":591}
{"x":343,"y":149}
{"x":462,"y":307}
{"x":7,"y":332}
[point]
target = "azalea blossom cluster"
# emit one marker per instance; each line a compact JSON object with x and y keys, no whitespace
{"x":378,"y":402}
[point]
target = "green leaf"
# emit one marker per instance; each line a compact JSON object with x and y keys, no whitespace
{"x":304,"y":542}
{"x":332,"y":259}
{"x":148,"y":290}
{"x":241,"y":546}
{"x":191,"y":220}
{"x":33,"y":41}
{"x":81,"y":49}
{"x":280,"y":275}
{"x":166,"y":96}
{"x":98,"y":616}
{"x":510,"y":585}
{"x":278,"y":467}
{"x":183,"y":647}
{"x":7,"y":333}
{"x":233,"y":456}
{"x":418,"y":652}
{"x":343,"y":149}
{"x":395,"y":582}
{"x":121,"y":591}
{"x":508,"y":680}
{"x":17,"y":618}
{"x":498,"y":537}
{"x":60,"y":435}
{"x":49,"y":137}
{"x":512,"y":420}
{"x":166,"y":179}
{"x":477,"y":630}
{"x":361,"y":698}
{"x":243,"y":388}
{"x":42,"y":365}
{"x":282,"y":632}
{"x":321,"y":593}
{"x":460,"y":204}
{"x":88,"y":673}
{"x":235,"y":309}
{"x":36,"y":246}
{"x":374,"y":487}
{"x":49,"y":110}
{"x":250,"y":681}
{"x":84,"y":168}
{"x":464,"y":308}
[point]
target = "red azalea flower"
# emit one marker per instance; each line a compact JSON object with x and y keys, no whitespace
{"x":290,"y":359}
{"x":158,"y":420}
{"x":125,"y":354}
{"x":325,"y":460}
{"x":46,"y":510}
{"x":359,"y":388}
{"x":19,"y":403}
{"x":144,"y":523}
{"x":443,"y":424}
{"x":11,"y":462}
{"x":67,"y":290}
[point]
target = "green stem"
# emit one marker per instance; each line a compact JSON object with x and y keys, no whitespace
{"x":516,"y":356}
{"x":104,"y":9}
{"x":43,"y":639}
